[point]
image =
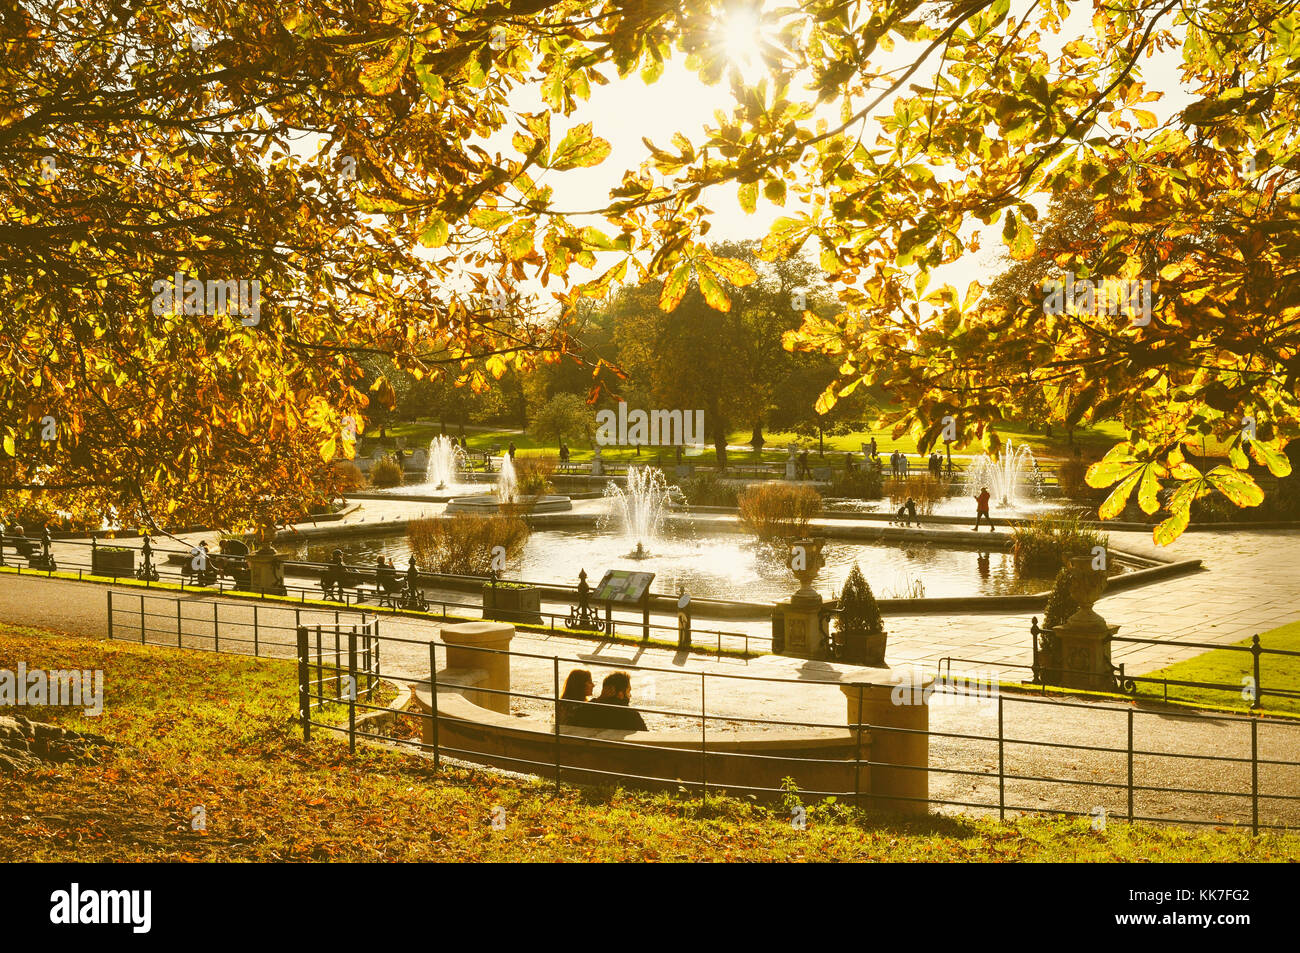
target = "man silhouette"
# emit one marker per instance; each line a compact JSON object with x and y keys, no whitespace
{"x":982,"y":509}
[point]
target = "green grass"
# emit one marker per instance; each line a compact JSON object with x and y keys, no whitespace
{"x":1093,"y":441}
{"x":193,"y":729}
{"x":1228,"y":667}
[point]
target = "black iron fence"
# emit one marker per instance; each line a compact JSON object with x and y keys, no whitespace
{"x":1008,"y":753}
{"x":613,"y":623}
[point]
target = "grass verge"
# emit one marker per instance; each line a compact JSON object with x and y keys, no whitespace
{"x":1229,"y":667}
{"x":218,"y":732}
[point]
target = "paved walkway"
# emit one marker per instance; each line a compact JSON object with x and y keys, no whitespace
{"x":1248,"y":585}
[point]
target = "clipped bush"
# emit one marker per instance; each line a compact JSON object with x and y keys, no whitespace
{"x":386,"y":472}
{"x":925,"y":491}
{"x":778,"y":510}
{"x":1041,"y":546}
{"x":859,"y":635}
{"x":706,"y":488}
{"x":347,"y":476}
{"x":1060,"y":604}
{"x":463,"y":544}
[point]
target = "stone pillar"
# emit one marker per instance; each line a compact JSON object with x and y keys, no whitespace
{"x":802,"y":614}
{"x":266,"y":572}
{"x":1083,"y":640}
{"x":597,"y":465}
{"x":790,"y":469}
{"x":887,"y":700}
{"x":463,"y":639}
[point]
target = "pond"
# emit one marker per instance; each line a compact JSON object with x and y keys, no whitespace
{"x":730,"y":565}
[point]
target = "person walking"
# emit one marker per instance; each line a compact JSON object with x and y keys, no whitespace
{"x":982,"y":509}
{"x":907,"y":513}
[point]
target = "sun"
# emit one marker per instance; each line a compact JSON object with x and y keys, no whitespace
{"x":745,"y":33}
{"x":742,"y":35}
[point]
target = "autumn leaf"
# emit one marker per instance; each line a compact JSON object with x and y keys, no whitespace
{"x":383,"y":76}
{"x":579,"y":148}
{"x":675,"y":287}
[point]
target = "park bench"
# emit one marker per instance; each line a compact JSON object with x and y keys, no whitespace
{"x":384,"y":590}
{"x":336,"y":580}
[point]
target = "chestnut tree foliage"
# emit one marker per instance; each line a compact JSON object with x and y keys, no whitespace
{"x":339,"y":154}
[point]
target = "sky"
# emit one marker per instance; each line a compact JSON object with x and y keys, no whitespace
{"x":628,"y":109}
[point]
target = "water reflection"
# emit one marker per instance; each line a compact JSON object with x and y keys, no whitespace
{"x":730,"y":566}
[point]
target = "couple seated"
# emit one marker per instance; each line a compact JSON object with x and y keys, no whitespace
{"x":611,"y":709}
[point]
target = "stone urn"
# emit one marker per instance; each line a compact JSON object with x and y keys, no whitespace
{"x":805,"y":561}
{"x":1086,"y":586}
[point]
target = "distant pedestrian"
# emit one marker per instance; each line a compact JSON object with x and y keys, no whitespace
{"x":982,"y":509}
{"x":873,"y":446}
{"x":907,"y":513}
{"x":805,"y":471}
{"x":511,"y":451}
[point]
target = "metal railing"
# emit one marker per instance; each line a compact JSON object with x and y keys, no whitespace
{"x":724,"y":642}
{"x":1114,"y":778}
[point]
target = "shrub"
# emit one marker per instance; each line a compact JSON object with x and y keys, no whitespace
{"x":1070,"y":477}
{"x":386,"y":472}
{"x":707,"y":489}
{"x":533,"y":474}
{"x":778,"y":510}
{"x":1060,"y":604}
{"x":857,"y":621}
{"x":924,"y":490}
{"x":347,"y":476}
{"x":863,"y":483}
{"x":463,"y":544}
{"x":1041,"y":546}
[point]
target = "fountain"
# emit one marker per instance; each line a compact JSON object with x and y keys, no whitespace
{"x":639,"y":508}
{"x":446,"y":460}
{"x":506,"y":494}
{"x":507,"y":482}
{"x":1007,"y":476}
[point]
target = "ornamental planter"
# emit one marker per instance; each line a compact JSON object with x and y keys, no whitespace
{"x":112,"y":561}
{"x":509,"y":603}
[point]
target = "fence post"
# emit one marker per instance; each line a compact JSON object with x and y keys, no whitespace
{"x":1254,"y":773}
{"x":1256,"y":650}
{"x":1130,"y":765}
{"x":216,"y":631}
{"x":110,"y":612}
{"x":433,"y":691}
{"x":556,"y":686}
{"x":254,"y":630}
{"x":857,"y":755}
{"x":142,"y":618}
{"x":1002,"y":780}
{"x":320,"y":667}
{"x":304,"y":697}
{"x":704,"y":744}
{"x":338,"y":658}
{"x":352,"y":691}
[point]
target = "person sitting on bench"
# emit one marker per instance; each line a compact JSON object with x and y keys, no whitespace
{"x":612,"y":709}
{"x":386,"y":578}
{"x":335,"y":577}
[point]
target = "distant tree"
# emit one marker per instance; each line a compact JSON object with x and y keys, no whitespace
{"x":564,"y":416}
